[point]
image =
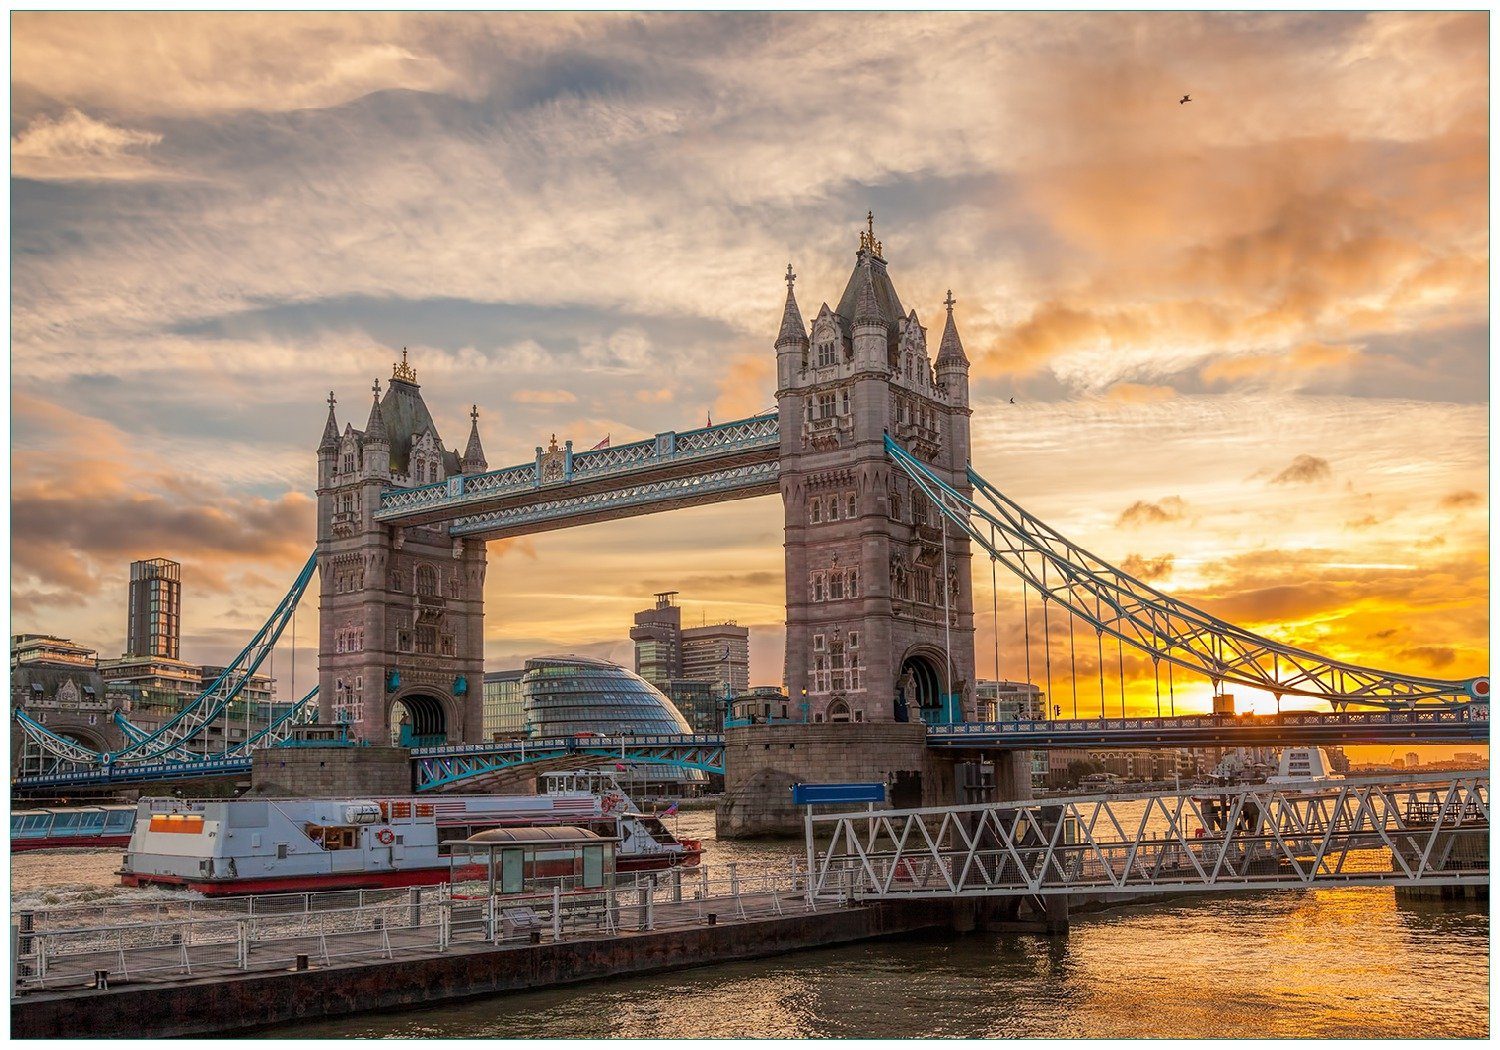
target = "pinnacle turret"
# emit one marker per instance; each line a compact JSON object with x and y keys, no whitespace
{"x":792,"y":328}
{"x":473,"y":460}
{"x":375,"y":428}
{"x":330,"y":442}
{"x":951,"y":350}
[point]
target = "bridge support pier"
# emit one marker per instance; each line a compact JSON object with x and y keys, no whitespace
{"x":331,"y":771}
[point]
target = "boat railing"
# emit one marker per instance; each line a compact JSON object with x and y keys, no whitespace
{"x":71,"y":946}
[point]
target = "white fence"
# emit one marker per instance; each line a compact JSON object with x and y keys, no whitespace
{"x":90,"y":945}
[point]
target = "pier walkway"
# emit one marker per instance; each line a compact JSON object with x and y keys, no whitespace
{"x":165,"y":941}
{"x":1408,"y":830}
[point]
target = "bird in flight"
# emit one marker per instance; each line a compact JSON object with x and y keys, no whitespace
{"x":1184,"y":98}
{"x":1013,"y":401}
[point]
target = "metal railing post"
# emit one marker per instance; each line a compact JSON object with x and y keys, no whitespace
{"x":414,"y":900}
{"x":676,"y":885}
{"x":243,"y":945}
{"x":703,"y":883}
{"x":650,"y":910}
{"x":557,"y":913}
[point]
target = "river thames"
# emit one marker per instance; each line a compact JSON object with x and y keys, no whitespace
{"x":1332,"y":963}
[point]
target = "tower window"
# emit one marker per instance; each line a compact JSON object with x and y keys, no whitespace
{"x":825,"y":353}
{"x":845,"y":402}
{"x":849,"y":508}
{"x":348,"y":467}
{"x":825,"y":406}
{"x":427,"y":580}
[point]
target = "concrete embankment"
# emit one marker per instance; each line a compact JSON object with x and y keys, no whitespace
{"x":236,"y":1004}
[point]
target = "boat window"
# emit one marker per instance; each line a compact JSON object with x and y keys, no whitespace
{"x":120,"y":818}
{"x":334,"y":836}
{"x":593,"y":867}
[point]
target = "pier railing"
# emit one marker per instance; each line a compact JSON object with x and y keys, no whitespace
{"x":1358,"y":832}
{"x":162,"y":940}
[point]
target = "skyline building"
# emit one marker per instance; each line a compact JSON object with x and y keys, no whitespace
{"x":697,"y":668}
{"x":154,"y":623}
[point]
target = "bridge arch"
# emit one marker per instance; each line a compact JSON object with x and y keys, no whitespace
{"x":420,"y":717}
{"x":920,"y":685}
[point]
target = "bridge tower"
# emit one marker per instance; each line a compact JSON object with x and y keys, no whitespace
{"x":879,"y":602}
{"x":401,"y":609}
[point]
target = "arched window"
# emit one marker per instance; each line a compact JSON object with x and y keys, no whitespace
{"x":348,"y":467}
{"x":427,"y":580}
{"x":815,"y":511}
{"x":849,"y":507}
{"x":833,"y":509}
{"x":838,"y":711}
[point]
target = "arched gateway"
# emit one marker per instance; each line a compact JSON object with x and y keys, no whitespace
{"x":879,"y":608}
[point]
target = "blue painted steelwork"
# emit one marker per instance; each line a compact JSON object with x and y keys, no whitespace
{"x":830,"y":794}
{"x":171,"y":741}
{"x":439,"y":768}
{"x":1115,"y":603}
{"x":131,"y":774}
{"x":668,"y":449}
{"x":753,"y":479}
{"x":1469,"y":724}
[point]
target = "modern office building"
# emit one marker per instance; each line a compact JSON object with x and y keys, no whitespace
{"x":702,"y":703}
{"x":657,"y":635}
{"x":155,"y":622}
{"x":1010,"y":701}
{"x":665,"y":651}
{"x":1413,"y":760}
{"x":504,"y":704}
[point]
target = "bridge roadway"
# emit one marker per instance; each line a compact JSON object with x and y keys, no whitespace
{"x":472,"y":766}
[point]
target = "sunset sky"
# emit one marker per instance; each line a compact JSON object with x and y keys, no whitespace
{"x":1247,"y":337}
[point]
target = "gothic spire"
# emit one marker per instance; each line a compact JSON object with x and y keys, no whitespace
{"x":951,"y":349}
{"x":375,"y":428}
{"x":473,"y":460}
{"x":330,"y":442}
{"x":792,"y":328}
{"x":867,"y":306}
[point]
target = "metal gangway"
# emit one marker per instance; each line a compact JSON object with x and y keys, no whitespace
{"x":1412,"y":830}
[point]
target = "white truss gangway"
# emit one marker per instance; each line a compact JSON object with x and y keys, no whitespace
{"x":1413,"y":830}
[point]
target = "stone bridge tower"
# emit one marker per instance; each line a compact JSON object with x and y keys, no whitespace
{"x":869,"y":577}
{"x":401,"y":610}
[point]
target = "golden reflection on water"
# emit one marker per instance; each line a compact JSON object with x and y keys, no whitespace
{"x":1342,"y":962}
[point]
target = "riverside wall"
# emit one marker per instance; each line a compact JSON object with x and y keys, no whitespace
{"x":236,"y":1004}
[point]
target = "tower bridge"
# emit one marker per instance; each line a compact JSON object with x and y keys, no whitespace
{"x":869,"y":450}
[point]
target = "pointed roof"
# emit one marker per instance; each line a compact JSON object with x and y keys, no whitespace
{"x":792,"y":328}
{"x":867,"y":303}
{"x":474,"y":452}
{"x":870,"y":278}
{"x":951,"y":349}
{"x":330,"y":442}
{"x":375,"y":428}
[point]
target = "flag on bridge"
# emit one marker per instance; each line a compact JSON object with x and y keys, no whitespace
{"x":710,"y":417}
{"x":602,"y":444}
{"x":670,"y":810}
{"x":620,"y":766}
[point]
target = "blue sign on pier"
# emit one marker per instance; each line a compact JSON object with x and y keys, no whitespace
{"x":828,"y":794}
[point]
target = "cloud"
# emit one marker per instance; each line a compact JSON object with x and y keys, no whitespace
{"x":1304,"y":470}
{"x":1463,"y":498}
{"x":1288,"y":369}
{"x":1138,"y":394}
{"x":1172,"y":508}
{"x":1148,"y":570}
{"x":77,"y":146}
{"x":544,"y":397}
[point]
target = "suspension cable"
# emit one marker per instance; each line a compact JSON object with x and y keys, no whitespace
{"x":1046,"y":631}
{"x":1099,"y":637}
{"x":1156,"y":678}
{"x":995,"y":604}
{"x":1120,"y":645}
{"x":1073,"y":656}
{"x":1026,"y":626}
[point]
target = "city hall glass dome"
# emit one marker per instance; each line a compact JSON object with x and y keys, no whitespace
{"x":575,"y":694}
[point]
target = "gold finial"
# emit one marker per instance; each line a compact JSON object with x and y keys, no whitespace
{"x":403,"y":371}
{"x":867,"y":241}
{"x":553,"y":446}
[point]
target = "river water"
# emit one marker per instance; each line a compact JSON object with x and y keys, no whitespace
{"x":1331,"y":963}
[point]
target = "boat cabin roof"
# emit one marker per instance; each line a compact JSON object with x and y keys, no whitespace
{"x":536,"y":836}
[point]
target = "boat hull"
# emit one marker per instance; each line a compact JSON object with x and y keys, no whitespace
{"x":380,"y":880}
{"x":67,"y":841}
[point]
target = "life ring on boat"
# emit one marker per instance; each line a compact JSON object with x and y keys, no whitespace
{"x":385,"y":836}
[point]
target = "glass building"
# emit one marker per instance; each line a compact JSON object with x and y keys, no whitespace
{"x":575,"y":694}
{"x":564,"y":695}
{"x":504,"y":705}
